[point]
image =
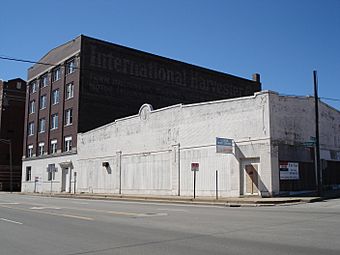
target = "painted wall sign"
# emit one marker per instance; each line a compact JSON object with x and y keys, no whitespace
{"x":224,"y":145}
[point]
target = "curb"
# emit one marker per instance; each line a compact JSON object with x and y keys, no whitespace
{"x":222,"y":203}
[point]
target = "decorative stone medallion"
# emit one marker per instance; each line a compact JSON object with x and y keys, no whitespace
{"x":144,"y":111}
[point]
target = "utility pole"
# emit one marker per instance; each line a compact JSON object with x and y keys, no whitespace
{"x":317,"y":141}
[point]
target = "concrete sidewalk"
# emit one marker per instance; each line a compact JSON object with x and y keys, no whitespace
{"x":223,"y":201}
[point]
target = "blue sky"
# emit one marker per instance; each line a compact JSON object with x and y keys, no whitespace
{"x":283,"y":40}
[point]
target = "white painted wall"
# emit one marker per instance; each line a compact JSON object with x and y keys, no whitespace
{"x":149,"y":149}
{"x":39,"y":170}
{"x":293,"y":122}
{"x":152,"y":152}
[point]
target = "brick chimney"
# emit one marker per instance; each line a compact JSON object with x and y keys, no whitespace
{"x":256,"y":77}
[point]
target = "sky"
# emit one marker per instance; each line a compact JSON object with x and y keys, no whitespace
{"x":282,"y":40}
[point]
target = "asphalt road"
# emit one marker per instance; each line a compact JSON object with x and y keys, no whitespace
{"x":34,"y":225}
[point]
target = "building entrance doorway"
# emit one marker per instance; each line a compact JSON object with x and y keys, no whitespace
{"x":251,"y":171}
{"x":249,"y":176}
{"x":64,"y":175}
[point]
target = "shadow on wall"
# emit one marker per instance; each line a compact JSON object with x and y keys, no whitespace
{"x":107,"y":167}
{"x":255,"y":178}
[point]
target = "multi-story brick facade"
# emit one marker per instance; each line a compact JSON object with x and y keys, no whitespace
{"x":12,"y":109}
{"x":86,"y":83}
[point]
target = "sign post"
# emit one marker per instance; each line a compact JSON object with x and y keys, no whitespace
{"x":51,"y":169}
{"x":216,"y":184}
{"x":194,"y":168}
{"x":36,"y":179}
{"x":75,"y":182}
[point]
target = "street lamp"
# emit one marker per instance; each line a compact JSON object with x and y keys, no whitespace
{"x":8,"y":141}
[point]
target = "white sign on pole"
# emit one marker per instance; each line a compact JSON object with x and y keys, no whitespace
{"x":289,"y":171}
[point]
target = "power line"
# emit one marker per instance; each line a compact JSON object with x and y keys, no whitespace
{"x":331,"y":99}
{"x":48,"y":64}
{"x":25,"y":61}
{"x":325,"y":98}
{"x":3,"y":57}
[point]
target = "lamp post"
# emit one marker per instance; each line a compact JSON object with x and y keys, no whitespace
{"x":8,"y":141}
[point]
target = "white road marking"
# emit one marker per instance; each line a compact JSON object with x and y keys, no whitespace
{"x":9,"y":203}
{"x":45,"y":207}
{"x":172,"y":210}
{"x":74,"y":216}
{"x":152,"y":214}
{"x":11,"y":221}
{"x":80,"y":203}
{"x":49,"y":213}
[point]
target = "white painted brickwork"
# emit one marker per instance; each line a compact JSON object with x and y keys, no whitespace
{"x":151,"y":142}
{"x":152,"y":152}
{"x":39,"y":171}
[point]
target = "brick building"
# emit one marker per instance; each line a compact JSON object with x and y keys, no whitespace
{"x":12,"y":109}
{"x":86,"y":83}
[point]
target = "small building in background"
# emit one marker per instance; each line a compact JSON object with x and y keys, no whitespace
{"x":12,"y":115}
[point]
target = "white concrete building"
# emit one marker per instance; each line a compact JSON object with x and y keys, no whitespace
{"x":152,"y":152}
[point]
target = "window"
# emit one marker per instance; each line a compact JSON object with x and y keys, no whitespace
{"x":43,"y":102}
{"x":55,"y":96}
{"x":56,"y":74}
{"x":30,"y":151}
{"x":31,"y":128}
{"x":19,"y":84}
{"x":31,"y":107}
{"x":68,"y":143}
{"x":33,"y":87}
{"x":44,"y":80}
{"x":68,"y":117}
{"x":54,"y":121}
{"x":69,"y":90}
{"x":53,"y":146}
{"x":41,"y":149}
{"x":50,"y":176}
{"x":70,"y":66}
{"x":28,"y":173}
{"x":51,"y":172}
{"x":42,"y":125}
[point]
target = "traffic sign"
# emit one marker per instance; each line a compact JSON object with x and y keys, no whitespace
{"x":309,"y":144}
{"x":195,"y":166}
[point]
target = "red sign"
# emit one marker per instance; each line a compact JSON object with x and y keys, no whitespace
{"x":194,"y":166}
